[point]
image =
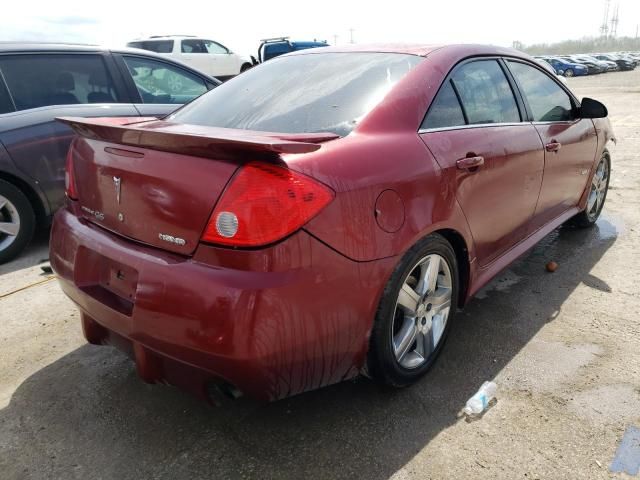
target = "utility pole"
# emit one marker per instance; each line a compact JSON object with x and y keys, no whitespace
{"x":351,"y":30}
{"x":614,"y":22}
{"x":604,"y":28}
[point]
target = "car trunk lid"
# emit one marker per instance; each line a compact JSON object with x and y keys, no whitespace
{"x":157,"y":182}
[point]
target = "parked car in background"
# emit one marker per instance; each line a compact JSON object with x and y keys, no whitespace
{"x":565,"y":67}
{"x":550,"y":69}
{"x":628,"y":57}
{"x":206,"y":55}
{"x":274,"y":47}
{"x":605,"y":65}
{"x":593,"y":68}
{"x":39,"y":82}
{"x":290,"y":229}
{"x":621,"y":62}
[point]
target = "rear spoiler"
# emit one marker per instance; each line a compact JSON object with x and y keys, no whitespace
{"x":210,"y":142}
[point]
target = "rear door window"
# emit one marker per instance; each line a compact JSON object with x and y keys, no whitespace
{"x":485,"y":93}
{"x":40,"y":80}
{"x":158,"y":46}
{"x":547,"y":100}
{"x":160,"y":82}
{"x":445,"y":111}
{"x":194,"y":46}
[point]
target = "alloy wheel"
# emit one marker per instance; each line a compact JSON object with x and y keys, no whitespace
{"x":599,"y":185}
{"x":422,"y":310}
{"x":9,"y":223}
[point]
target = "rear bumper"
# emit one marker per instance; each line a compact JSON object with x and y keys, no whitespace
{"x":273,"y":322}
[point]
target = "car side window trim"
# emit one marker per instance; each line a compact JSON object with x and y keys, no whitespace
{"x":457,"y":93}
{"x":517,"y":92}
{"x":514,"y":90}
{"x":474,"y":125}
{"x":4,"y":92}
{"x":574,"y":101}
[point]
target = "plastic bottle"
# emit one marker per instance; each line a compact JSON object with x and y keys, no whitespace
{"x":478,"y":403}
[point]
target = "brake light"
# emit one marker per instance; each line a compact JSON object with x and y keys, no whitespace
{"x":69,"y":176}
{"x":263,"y":204}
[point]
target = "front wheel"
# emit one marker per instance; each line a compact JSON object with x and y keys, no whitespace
{"x":414,"y":314}
{"x":597,"y":194}
{"x":568,"y":72}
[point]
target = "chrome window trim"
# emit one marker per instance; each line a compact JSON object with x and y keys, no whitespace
{"x":556,"y":122}
{"x":475,"y":125}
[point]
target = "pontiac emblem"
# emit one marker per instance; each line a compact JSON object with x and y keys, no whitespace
{"x":117,"y":182}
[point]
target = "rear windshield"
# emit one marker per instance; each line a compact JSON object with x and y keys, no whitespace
{"x":322,"y":92}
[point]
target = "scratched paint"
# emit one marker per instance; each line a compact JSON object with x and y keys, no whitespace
{"x":627,"y":457}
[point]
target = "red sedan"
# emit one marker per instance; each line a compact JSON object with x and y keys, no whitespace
{"x":321,"y":215}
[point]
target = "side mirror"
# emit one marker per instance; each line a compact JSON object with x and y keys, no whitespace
{"x":591,"y":108}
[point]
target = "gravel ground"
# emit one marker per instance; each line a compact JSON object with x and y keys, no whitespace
{"x":562,"y":347}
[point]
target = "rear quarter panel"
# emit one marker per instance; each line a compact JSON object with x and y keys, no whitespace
{"x":359,"y":168}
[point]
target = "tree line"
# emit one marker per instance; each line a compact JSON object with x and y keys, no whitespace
{"x":583,"y":45}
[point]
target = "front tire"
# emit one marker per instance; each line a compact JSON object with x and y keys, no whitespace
{"x":568,"y":72}
{"x":17,"y":221}
{"x":597,"y":194}
{"x":414,"y":314}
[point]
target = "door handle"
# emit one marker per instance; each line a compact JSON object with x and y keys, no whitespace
{"x":470,"y":162}
{"x":553,"y":146}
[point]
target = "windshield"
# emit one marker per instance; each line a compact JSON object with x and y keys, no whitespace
{"x":320,"y":92}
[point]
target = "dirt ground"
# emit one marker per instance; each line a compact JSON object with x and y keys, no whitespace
{"x":562,"y":347}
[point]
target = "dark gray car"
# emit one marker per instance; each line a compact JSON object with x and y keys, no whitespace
{"x":39,"y":82}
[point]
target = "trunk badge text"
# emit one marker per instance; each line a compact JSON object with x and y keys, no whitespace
{"x":117,"y":182}
{"x":172,"y":239}
{"x":98,"y":215}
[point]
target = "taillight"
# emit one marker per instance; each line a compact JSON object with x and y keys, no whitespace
{"x":69,"y":176}
{"x":263,"y":204}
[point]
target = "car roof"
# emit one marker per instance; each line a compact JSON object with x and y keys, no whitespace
{"x":20,"y":47}
{"x":165,"y":37}
{"x":9,"y":47}
{"x":415,"y":49}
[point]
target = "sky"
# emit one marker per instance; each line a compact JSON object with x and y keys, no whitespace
{"x":240,"y":25}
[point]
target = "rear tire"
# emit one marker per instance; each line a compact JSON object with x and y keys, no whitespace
{"x":597,"y":194}
{"x":392,"y":360}
{"x":17,"y":221}
{"x":245,"y":67}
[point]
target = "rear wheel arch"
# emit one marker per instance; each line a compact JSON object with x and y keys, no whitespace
{"x":459,"y":245}
{"x":40,"y":209}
